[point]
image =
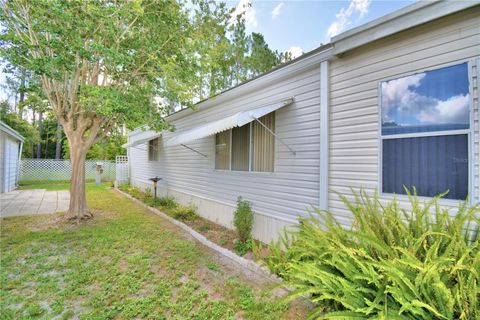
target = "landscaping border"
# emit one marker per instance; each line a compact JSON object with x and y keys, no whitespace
{"x":247,"y":264}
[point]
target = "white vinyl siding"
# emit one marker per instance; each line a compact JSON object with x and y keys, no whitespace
{"x":286,"y":192}
{"x":9,"y":162}
{"x":354,"y":97}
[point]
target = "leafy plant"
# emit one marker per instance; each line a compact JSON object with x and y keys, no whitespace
{"x":242,"y":247}
{"x":185,"y":213}
{"x":167,"y":201}
{"x":243,"y":219}
{"x":392,"y":263}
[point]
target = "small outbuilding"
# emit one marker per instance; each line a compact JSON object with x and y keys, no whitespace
{"x":11,"y":143}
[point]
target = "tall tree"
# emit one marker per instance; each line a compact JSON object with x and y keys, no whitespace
{"x":261,"y":58}
{"x":58,"y":141}
{"x":100,"y":62}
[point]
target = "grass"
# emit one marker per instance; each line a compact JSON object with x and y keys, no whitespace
{"x":125,"y":263}
{"x":51,"y":185}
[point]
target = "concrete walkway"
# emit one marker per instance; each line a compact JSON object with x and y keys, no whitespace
{"x":33,"y":201}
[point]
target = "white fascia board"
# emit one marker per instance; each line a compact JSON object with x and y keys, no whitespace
{"x":292,"y":68}
{"x":11,"y":132}
{"x":400,"y":20}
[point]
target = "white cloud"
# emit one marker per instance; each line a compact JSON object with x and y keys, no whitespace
{"x":295,"y":52}
{"x":402,"y":104}
{"x":343,"y":18}
{"x":250,"y":15}
{"x":277,"y":10}
{"x":453,"y":110}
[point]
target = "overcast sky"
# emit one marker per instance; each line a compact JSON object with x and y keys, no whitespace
{"x":301,"y":26}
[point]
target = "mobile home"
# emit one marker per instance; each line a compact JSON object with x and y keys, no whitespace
{"x":393,"y":102}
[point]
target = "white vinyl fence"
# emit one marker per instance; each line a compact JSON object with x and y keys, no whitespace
{"x":52,"y":169}
{"x":122,"y":169}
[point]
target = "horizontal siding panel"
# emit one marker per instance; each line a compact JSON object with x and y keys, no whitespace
{"x":421,"y":50}
{"x":354,"y":108}
{"x":390,"y":47}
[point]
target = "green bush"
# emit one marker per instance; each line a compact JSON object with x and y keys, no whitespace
{"x":242,"y":247}
{"x":167,"y":201}
{"x":180,"y":212}
{"x":243,"y":219}
{"x":421,"y":263}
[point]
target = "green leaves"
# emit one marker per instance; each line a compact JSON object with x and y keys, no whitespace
{"x":392,"y":263}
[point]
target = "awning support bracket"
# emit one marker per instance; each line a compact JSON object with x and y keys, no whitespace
{"x":196,"y":151}
{"x":276,"y":137}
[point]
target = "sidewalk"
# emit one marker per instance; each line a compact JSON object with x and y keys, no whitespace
{"x":34,"y":201}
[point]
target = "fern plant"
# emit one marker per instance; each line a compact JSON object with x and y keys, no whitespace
{"x":392,"y":263}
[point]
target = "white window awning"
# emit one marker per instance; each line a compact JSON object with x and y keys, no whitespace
{"x":237,"y":120}
{"x":141,"y":137}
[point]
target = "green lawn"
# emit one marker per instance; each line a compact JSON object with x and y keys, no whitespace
{"x":52,"y":185}
{"x":126,"y":263}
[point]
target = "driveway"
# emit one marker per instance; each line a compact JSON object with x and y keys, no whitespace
{"x":33,"y":201}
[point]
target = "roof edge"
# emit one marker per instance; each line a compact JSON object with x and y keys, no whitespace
{"x":411,"y":16}
{"x":306,"y":60}
{"x":9,"y":130}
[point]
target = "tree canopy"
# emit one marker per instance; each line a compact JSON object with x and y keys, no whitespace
{"x":101,"y":64}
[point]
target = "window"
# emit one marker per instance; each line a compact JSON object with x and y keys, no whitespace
{"x":153,"y":150}
{"x":247,"y":148}
{"x":425,"y":132}
{"x":222,"y":150}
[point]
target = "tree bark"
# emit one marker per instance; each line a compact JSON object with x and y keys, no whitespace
{"x":78,"y":201}
{"x":40,"y":132}
{"x":33,"y":123}
{"x":58,"y":141}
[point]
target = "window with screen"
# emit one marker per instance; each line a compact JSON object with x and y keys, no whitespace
{"x":247,"y":148}
{"x":425,"y":132}
{"x":153,"y":150}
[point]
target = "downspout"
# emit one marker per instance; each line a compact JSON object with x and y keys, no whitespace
{"x":324,"y":135}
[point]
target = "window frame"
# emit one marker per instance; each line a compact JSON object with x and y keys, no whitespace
{"x":469,"y":132}
{"x":250,"y":156}
{"x":156,"y":148}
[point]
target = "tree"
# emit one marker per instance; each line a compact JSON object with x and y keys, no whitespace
{"x":261,"y":58}
{"x":100,"y":63}
{"x":12,"y":119}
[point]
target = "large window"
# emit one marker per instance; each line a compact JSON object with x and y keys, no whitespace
{"x":425,"y":132}
{"x":247,"y":148}
{"x":153,"y":150}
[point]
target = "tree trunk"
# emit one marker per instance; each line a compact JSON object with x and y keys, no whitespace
{"x":40,"y":132}
{"x":58,"y":141}
{"x":78,"y":201}
{"x":33,"y":123}
{"x":22,"y":92}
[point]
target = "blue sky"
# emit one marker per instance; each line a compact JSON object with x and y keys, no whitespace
{"x":306,"y":24}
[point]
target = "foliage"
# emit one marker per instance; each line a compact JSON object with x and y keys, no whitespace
{"x":243,"y":219}
{"x":421,"y":263}
{"x":184,"y":213}
{"x":106,"y":149}
{"x":167,"y":201}
{"x":24,"y":128}
{"x":138,"y":267}
{"x":242,"y":247}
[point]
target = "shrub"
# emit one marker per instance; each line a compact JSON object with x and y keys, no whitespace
{"x":390,"y":264}
{"x":242,"y":247}
{"x":243,"y":219}
{"x":184,"y":213}
{"x":167,"y":201}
